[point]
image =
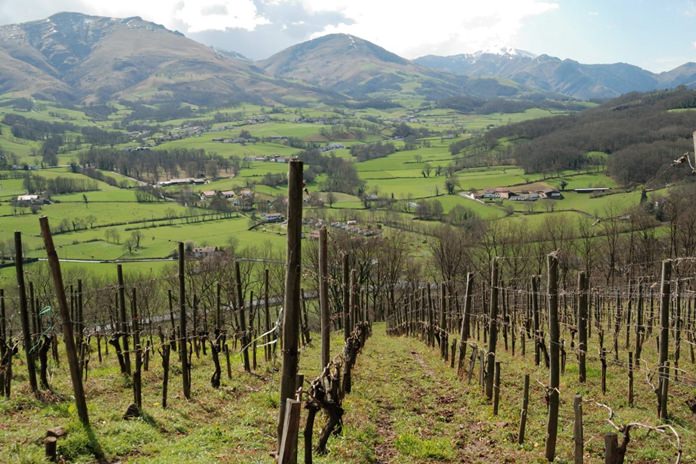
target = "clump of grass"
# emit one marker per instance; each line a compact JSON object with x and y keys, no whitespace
{"x":422,"y":448}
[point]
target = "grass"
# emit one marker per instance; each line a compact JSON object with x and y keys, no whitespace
{"x":406,"y":406}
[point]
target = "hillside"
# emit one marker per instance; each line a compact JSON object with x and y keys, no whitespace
{"x":641,"y":133}
{"x":353,"y":66}
{"x":78,"y":58}
{"x":567,"y":77}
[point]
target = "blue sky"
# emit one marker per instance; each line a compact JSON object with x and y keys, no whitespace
{"x":656,"y":35}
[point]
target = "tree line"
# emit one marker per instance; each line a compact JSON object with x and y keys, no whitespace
{"x":641,"y":132}
{"x":34,"y":129}
{"x":153,"y":165}
{"x":34,"y":183}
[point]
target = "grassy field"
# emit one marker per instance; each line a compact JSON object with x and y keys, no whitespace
{"x":401,"y":176}
{"x":406,"y":406}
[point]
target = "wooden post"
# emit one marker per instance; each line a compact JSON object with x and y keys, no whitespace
{"x":165,"y":371}
{"x":442,"y":323}
{"x":123,"y":322}
{"x":523,"y":415}
{"x":291,"y":307}
{"x":346,"y":296}
{"x":24,"y":313}
{"x":496,"y":395}
{"x":137,"y":374}
{"x":267,"y":315}
{"x":68,"y":336}
{"x":80,"y":326}
{"x":640,"y":330}
{"x":3,"y":318}
{"x":324,"y":298}
{"x":554,"y":378}
{"x":431,"y":318}
{"x":577,"y":430}
{"x":183,"y":351}
{"x":583,"y":309}
{"x":664,"y":338}
{"x":536,"y":320}
{"x":287,"y":453}
{"x":492,"y":329}
{"x":242,"y":318}
{"x":603,"y":360}
{"x":466,"y":318}
{"x":353,"y":299}
{"x":611,"y":449}
{"x":171,"y":318}
{"x":630,"y":378}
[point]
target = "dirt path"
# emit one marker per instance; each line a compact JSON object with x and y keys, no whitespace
{"x":414,"y":409}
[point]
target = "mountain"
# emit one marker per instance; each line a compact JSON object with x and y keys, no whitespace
{"x":567,"y":77}
{"x":85,"y":59}
{"x":350,"y":65}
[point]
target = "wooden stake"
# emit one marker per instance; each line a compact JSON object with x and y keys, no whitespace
{"x":68,"y":336}
{"x":496,"y":395}
{"x":577,"y":430}
{"x":324,"y":298}
{"x":554,"y":377}
{"x":523,"y":415}
{"x":24,"y":313}
{"x":291,"y":307}
{"x":242,"y":318}
{"x":664,"y":338}
{"x":183,"y":351}
{"x":123,"y":322}
{"x":583,"y":310}
{"x":492,"y":329}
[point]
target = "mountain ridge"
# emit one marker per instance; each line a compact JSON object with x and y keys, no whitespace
{"x":89,"y":59}
{"x":566,"y":76}
{"x":78,"y":58}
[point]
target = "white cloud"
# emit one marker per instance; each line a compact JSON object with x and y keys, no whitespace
{"x":408,"y":27}
{"x":185,"y":15}
{"x":436,"y":26}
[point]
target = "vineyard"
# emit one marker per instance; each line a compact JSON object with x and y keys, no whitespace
{"x":349,"y":351}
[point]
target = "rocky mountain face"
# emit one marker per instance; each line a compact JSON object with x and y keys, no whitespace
{"x":567,"y":77}
{"x":78,"y":58}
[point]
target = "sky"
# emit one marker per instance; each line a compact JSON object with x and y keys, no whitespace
{"x":655,"y":34}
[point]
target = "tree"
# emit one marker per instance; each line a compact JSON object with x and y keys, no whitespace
{"x":136,"y":237}
{"x":451,"y":184}
{"x":112,"y":236}
{"x":451,"y":252}
{"x":330,"y":199}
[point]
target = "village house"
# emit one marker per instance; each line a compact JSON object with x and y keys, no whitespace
{"x":30,"y":199}
{"x":274,"y":217}
{"x":550,"y":194}
{"x":204,"y":252}
{"x":208,"y":194}
{"x":182,"y":181}
{"x":592,"y":190}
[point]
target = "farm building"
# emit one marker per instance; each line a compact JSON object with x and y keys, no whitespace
{"x":208,"y":194}
{"x":204,"y":252}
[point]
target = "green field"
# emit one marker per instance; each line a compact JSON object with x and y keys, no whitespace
{"x":406,"y":176}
